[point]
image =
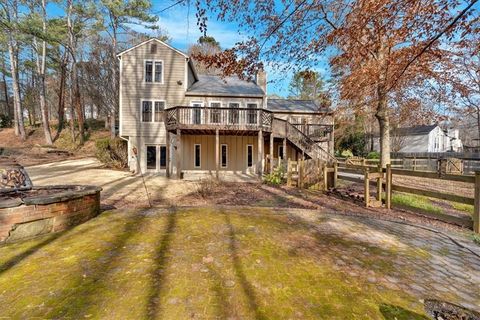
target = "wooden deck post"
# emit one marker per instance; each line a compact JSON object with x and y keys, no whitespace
{"x":301,"y":177}
{"x":476,"y":208}
{"x":325,"y":176}
{"x":289,"y":173}
{"x":284,"y":155}
{"x":178,"y":156}
{"x":260,"y":154}
{"x":271,"y":153}
{"x":388,"y":187}
{"x":380,"y":183}
{"x":367,"y":187}
{"x":167,"y":146}
{"x":335,"y":174}
{"x":217,"y":152}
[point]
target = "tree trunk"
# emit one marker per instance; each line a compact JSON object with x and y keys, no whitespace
{"x":41,"y":61}
{"x":112,"y":124}
{"x":61,"y":98}
{"x":17,"y":103}
{"x":9,"y":111}
{"x":478,"y":124}
{"x":384,"y":124}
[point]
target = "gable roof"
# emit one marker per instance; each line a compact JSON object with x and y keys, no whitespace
{"x":292,"y":105}
{"x":150,"y":40}
{"x":415,"y":130}
{"x":210,"y":85}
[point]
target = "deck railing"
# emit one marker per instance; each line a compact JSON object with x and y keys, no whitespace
{"x":221,"y":118}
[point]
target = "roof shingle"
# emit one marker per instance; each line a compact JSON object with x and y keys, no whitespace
{"x":291,"y":105}
{"x":228,"y":86}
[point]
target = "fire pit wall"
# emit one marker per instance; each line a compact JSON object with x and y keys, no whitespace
{"x":42,"y":210}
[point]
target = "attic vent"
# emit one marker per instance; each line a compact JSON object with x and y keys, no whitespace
{"x":153,"y":48}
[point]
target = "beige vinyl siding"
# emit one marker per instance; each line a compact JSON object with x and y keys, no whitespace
{"x":134,"y":88}
{"x":237,"y":152}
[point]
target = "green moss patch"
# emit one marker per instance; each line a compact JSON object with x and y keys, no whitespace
{"x":199,"y":263}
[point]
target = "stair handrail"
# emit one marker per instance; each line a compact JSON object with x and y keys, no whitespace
{"x":306,"y":143}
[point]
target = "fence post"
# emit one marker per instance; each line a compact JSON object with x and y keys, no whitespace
{"x":335,"y":173}
{"x":367,"y":188}
{"x":300,"y":173}
{"x":414,"y":162}
{"x":380,"y":183}
{"x":289,"y":173}
{"x":325,"y":176}
{"x":476,"y":208}
{"x":388,"y":187}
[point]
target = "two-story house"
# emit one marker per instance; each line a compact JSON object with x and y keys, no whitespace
{"x":179,"y":122}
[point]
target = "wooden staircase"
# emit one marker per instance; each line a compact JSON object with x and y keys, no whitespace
{"x":311,"y":148}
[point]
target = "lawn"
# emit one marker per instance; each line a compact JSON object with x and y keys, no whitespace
{"x":195,"y":263}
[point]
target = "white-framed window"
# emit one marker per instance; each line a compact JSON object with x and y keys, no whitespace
{"x":197,"y":155}
{"x":147,"y":111}
{"x":249,"y":155}
{"x":224,"y":155}
{"x":215,"y":112}
{"x":153,"y":71}
{"x":151,"y":110}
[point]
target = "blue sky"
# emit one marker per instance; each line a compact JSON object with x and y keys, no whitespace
{"x":180,"y":24}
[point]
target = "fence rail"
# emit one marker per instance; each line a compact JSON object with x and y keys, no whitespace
{"x":384,"y":177}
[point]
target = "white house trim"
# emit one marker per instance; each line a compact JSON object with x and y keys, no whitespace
{"x":150,"y":40}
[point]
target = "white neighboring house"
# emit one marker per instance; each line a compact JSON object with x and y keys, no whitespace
{"x":430,"y":138}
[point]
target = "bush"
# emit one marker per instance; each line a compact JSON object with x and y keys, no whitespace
{"x":277,"y":177}
{"x":206,"y":187}
{"x":5,"y":121}
{"x":373,"y":155}
{"x":346,"y":154}
{"x":112,"y":152}
{"x":355,"y":142}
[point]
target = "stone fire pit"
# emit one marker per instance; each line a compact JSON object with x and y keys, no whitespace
{"x":27,"y":211}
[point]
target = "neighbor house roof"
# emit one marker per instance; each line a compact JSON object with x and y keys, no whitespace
{"x":291,"y":105}
{"x":210,"y":85}
{"x":410,"y":131}
{"x":415,"y":130}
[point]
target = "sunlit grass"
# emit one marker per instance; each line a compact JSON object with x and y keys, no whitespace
{"x":468,"y":208}
{"x":415,"y":202}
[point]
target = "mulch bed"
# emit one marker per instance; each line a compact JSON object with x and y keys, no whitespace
{"x":257,"y":194}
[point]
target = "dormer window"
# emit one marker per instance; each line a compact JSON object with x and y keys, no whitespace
{"x":154,"y":71}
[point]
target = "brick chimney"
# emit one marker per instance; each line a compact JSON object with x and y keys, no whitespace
{"x":261,"y":80}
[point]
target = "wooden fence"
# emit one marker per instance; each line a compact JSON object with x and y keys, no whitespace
{"x":383,"y":180}
{"x":314,"y":174}
{"x":434,"y":164}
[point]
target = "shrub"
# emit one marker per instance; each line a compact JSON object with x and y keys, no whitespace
{"x":373,"y":155}
{"x":346,"y":154}
{"x":5,"y":121}
{"x":276,"y":177}
{"x":112,"y":152}
{"x":206,"y":187}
